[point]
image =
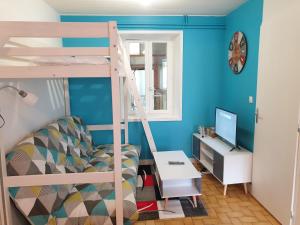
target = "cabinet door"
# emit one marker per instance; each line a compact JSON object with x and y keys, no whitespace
{"x":218,"y":166}
{"x":196,"y":147}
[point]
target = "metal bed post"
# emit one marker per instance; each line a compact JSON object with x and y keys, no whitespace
{"x":115,"y":87}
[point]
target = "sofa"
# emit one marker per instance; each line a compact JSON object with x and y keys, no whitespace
{"x":66,"y":146}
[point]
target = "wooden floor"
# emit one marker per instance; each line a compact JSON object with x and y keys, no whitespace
{"x":235,"y":208}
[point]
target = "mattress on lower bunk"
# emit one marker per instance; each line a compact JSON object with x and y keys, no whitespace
{"x":65,"y":146}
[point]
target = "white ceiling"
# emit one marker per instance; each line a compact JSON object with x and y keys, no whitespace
{"x":145,"y":7}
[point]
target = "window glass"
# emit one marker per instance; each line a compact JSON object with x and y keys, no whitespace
{"x":160,"y":75}
{"x":137,"y":62}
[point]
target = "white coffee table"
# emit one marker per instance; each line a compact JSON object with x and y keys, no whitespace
{"x":176,"y":180}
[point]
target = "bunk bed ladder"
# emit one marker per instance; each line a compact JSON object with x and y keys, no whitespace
{"x":132,"y":87}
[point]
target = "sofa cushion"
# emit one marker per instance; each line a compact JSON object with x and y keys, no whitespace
{"x":40,"y":153}
{"x":37,"y":202}
{"x":74,"y":127}
{"x":95,"y":204}
{"x":103,"y":154}
{"x":103,"y":160}
{"x":84,"y":135}
{"x":76,"y":134}
{"x":43,"y":152}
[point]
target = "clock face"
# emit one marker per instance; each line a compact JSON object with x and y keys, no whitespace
{"x":237,"y":53}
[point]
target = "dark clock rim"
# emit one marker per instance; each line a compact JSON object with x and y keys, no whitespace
{"x":246,"y":55}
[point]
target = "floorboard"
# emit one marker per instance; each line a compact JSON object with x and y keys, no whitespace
{"x":234,"y":209}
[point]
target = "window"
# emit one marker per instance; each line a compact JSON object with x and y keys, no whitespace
{"x":156,"y":60}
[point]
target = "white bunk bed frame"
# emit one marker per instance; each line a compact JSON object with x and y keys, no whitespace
{"x":118,"y":59}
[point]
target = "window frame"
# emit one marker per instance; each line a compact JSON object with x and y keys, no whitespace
{"x":174,"y":101}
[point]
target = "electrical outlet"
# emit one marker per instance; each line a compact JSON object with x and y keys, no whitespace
{"x":250,"y":99}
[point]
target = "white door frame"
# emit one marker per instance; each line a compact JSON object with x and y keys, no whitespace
{"x":295,"y":209}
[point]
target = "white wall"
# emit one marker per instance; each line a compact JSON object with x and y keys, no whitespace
{"x":27,"y":10}
{"x":20,"y":118}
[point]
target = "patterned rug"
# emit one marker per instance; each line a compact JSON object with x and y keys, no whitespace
{"x":151,"y":205}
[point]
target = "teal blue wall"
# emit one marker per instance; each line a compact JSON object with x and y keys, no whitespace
{"x":207,"y":80}
{"x":203,"y":66}
{"x":236,"y":89}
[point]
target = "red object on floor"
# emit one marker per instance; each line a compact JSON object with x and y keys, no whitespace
{"x":149,"y":181}
{"x":152,"y":204}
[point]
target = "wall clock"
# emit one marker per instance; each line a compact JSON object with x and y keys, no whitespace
{"x":237,"y":53}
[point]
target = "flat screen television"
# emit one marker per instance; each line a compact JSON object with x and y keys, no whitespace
{"x":226,"y":126}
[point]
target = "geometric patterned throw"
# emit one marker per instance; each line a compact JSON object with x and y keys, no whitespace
{"x":66,"y":146}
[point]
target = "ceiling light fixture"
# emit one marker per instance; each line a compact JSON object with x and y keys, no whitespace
{"x":146,"y":3}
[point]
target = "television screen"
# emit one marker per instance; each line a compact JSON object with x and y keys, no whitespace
{"x":226,"y":123}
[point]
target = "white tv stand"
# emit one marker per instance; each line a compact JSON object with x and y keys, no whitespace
{"x":229,"y":167}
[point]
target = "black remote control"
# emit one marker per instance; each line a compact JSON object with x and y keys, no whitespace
{"x":175,"y":163}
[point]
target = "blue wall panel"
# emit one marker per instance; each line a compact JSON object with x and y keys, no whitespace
{"x":236,"y":89}
{"x":203,"y":66}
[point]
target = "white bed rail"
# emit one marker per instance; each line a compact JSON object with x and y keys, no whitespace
{"x":38,"y":51}
{"x":118,"y":68}
{"x":58,"y":179}
{"x":103,"y":127}
{"x":72,"y":71}
{"x":67,"y":30}
{"x":54,"y":29}
{"x":13,"y":29}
